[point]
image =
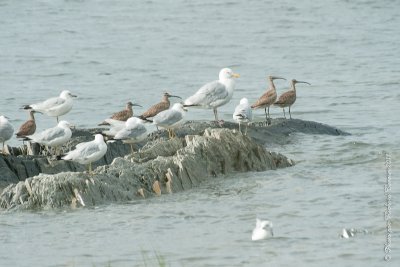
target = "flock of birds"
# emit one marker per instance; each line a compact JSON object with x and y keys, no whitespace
{"x":132,"y":129}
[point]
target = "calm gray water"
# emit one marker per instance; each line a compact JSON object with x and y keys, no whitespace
{"x":109,"y":52}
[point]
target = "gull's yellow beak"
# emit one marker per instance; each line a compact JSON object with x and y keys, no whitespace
{"x":235,"y":75}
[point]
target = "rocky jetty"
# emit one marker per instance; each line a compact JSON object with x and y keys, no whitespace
{"x":202,"y":150}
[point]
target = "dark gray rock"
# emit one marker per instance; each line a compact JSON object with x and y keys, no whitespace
{"x":185,"y":163}
{"x":19,"y":167}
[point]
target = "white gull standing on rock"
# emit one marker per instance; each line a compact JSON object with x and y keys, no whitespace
{"x":88,"y":152}
{"x":6,"y":131}
{"x":243,"y":113}
{"x":133,"y":132}
{"x":55,"y":106}
{"x":53,"y":137}
{"x":214,"y":94}
{"x":263,"y":230}
{"x":170,"y":118}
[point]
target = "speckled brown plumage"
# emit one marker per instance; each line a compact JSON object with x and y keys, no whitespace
{"x":157,"y":108}
{"x":268,"y":98}
{"x":28,"y":127}
{"x":288,"y":98}
{"x":122,"y":115}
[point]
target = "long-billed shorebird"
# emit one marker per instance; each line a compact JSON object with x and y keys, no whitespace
{"x":28,"y":127}
{"x":269,"y":97}
{"x":170,"y":118}
{"x":55,"y":106}
{"x":88,"y":152}
{"x":133,"y":132}
{"x":164,"y":104}
{"x":122,"y":115}
{"x":53,"y":137}
{"x":6,"y":131}
{"x":288,"y":98}
{"x":243,"y":113}
{"x":214,"y":94}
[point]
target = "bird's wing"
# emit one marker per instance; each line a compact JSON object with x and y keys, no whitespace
{"x":48,"y":135}
{"x":27,"y":128}
{"x":267,"y":98}
{"x":49,"y":103}
{"x":208,"y":94}
{"x":83,"y":151}
{"x":132,"y":132}
{"x":285,"y":97}
{"x":155,"y":109}
{"x":122,"y":115}
{"x":243,"y":112}
{"x":168,"y":117}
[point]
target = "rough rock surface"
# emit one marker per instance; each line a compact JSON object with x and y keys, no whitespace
{"x":162,"y":166}
{"x":17,"y":168}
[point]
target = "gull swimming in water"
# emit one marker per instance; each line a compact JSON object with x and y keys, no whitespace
{"x":53,"y":137}
{"x":288,"y":98}
{"x":88,"y":152}
{"x":263,"y":230}
{"x":268,"y":98}
{"x":55,"y":106}
{"x":133,"y":132}
{"x":170,"y":118}
{"x":123,"y":115}
{"x":28,"y":127}
{"x":6,"y":131}
{"x":214,"y":94}
{"x":243,"y":113}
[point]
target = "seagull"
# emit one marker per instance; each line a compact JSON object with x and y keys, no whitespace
{"x":116,"y":126}
{"x":55,"y":106}
{"x":28,"y":127}
{"x":214,"y":94}
{"x":263,"y":230}
{"x":288,"y":98}
{"x":53,"y":137}
{"x":88,"y":152}
{"x":243,"y":113}
{"x":123,"y":115}
{"x":133,"y":132}
{"x":6,"y":131}
{"x":170,"y":118}
{"x":269,"y":97}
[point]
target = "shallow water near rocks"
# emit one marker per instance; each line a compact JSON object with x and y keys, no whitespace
{"x":108,"y":53}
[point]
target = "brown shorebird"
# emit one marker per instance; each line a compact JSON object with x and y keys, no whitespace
{"x":157,"y":108}
{"x":269,"y":97}
{"x":122,"y":115}
{"x":29,"y":127}
{"x":288,"y":98}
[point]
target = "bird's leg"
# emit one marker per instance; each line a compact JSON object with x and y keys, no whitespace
{"x":2,"y":151}
{"x":132,"y":149}
{"x":266,"y":116}
{"x":173,"y":134}
{"x":219,"y":122}
{"x":90,"y":167}
{"x":284,"y":114}
{"x":268,"y":113}
{"x":247,"y":126}
{"x":239,"y":127}
{"x":215,"y":114}
{"x":290,"y":113}
{"x":57,"y":119}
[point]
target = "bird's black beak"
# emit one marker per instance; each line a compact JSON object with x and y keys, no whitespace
{"x":175,"y":96}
